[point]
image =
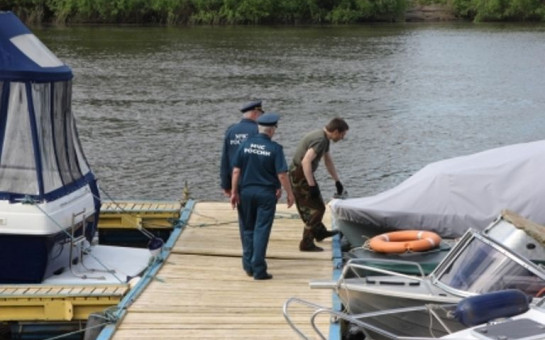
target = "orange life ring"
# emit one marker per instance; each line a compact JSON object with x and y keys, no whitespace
{"x":405,"y":240}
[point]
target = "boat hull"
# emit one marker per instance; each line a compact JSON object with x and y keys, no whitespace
{"x":415,"y":323}
{"x":40,"y":239}
{"x":30,"y":259}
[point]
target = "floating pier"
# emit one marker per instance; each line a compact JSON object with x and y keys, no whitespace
{"x":129,"y":223}
{"x":57,"y":302}
{"x":196,"y":288}
{"x":201,"y":291}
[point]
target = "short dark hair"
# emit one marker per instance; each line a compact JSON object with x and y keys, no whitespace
{"x":337,"y":124}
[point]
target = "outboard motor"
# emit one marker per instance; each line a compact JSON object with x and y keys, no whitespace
{"x":480,"y":309}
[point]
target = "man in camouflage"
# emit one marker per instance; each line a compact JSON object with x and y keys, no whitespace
{"x":308,"y":199}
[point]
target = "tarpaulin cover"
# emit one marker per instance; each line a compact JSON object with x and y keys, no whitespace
{"x":452,"y":195}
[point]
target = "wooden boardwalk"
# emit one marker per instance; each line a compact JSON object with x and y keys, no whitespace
{"x":202,"y":292}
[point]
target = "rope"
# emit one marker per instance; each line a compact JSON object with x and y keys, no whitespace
{"x":365,"y":246}
{"x":83,"y":330}
{"x":30,"y":201}
{"x":217,"y":223}
{"x":143,"y":230}
{"x":111,"y":271}
{"x":108,"y":320}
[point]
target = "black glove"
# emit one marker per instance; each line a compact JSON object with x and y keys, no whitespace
{"x":340,"y":187}
{"x":314,"y":191}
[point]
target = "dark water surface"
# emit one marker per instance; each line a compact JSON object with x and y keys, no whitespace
{"x":153,"y":103}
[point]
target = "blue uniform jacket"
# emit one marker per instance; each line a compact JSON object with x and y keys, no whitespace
{"x":260,"y":160}
{"x":234,"y":136}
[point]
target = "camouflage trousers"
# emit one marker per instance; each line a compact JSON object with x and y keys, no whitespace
{"x":311,"y":209}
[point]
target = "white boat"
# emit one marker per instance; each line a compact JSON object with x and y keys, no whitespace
{"x":49,"y":197}
{"x":529,"y":325}
{"x":499,"y":315}
{"x":49,"y":201}
{"x":452,"y":195}
{"x":508,"y":254}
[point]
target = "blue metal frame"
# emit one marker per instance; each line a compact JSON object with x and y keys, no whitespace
{"x":35,"y":141}
{"x":335,"y":327}
{"x":3,"y":113}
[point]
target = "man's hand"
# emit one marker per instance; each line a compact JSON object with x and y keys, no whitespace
{"x":314,"y":191}
{"x":291,"y":200}
{"x":340,"y":188}
{"x":235,"y":199}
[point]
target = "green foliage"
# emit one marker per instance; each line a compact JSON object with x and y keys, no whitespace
{"x":298,"y":11}
{"x":430,"y":2}
{"x":255,"y":11}
{"x":463,"y":8}
{"x":32,"y":11}
{"x":352,"y":11}
{"x":524,"y":9}
{"x":500,"y":10}
{"x":169,"y":12}
{"x":172,"y":12}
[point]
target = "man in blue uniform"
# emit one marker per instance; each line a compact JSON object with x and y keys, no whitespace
{"x":234,"y":136}
{"x":259,"y":168}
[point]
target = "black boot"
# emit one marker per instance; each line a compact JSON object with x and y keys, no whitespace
{"x":321,"y":233}
{"x":307,"y":243}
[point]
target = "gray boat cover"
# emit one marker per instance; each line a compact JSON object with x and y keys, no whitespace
{"x":455,"y":194}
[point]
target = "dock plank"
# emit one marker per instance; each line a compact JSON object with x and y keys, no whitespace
{"x":201,"y":291}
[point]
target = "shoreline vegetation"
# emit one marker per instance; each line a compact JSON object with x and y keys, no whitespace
{"x":270,"y":12}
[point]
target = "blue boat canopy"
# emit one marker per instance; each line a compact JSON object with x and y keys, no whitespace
{"x":40,"y":153}
{"x":24,"y":57}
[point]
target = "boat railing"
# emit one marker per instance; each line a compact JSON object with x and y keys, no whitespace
{"x":359,"y":266}
{"x":358,"y":320}
{"x":78,"y":242}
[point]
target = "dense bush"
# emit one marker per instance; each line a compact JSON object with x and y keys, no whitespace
{"x":173,"y":12}
{"x":500,"y":10}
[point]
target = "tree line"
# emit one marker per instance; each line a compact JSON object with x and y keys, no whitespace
{"x":236,"y":12}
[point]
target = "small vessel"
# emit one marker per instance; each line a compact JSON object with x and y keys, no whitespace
{"x":506,"y":314}
{"x":50,"y":260}
{"x":530,"y":324}
{"x":508,"y":254}
{"x":49,"y":198}
{"x":452,"y":195}
{"x":401,"y":262}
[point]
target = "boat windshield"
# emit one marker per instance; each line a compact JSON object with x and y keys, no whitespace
{"x":481,"y":268}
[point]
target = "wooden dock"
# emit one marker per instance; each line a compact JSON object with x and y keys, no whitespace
{"x":34,"y":302}
{"x":202,"y":292}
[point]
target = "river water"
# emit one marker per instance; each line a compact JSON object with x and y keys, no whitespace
{"x":153,"y":103}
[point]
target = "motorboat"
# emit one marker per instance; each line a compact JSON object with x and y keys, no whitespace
{"x":49,"y":197}
{"x":506,"y":314}
{"x":452,"y":195}
{"x":508,"y":254}
{"x":50,"y":257}
{"x":527,"y":325}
